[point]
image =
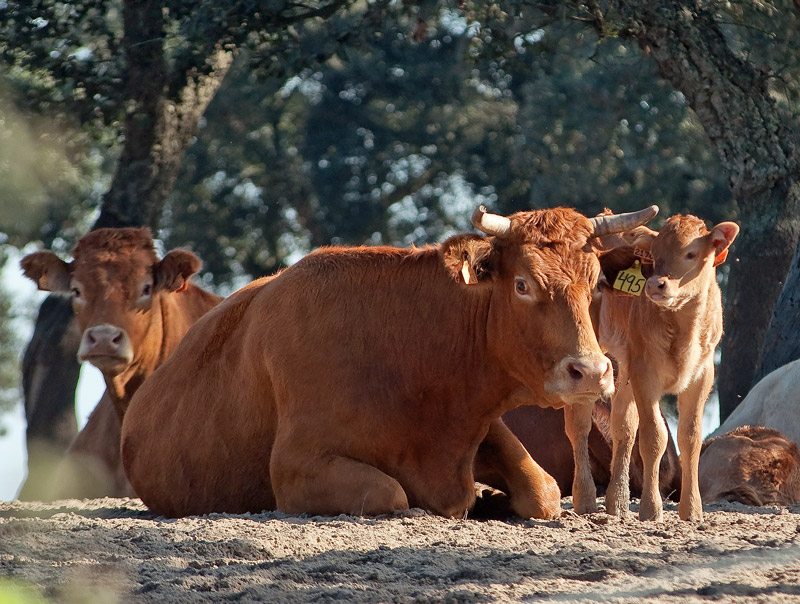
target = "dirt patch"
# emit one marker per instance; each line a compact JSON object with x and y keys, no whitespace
{"x":114,"y":550}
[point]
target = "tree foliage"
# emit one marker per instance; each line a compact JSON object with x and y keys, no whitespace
{"x":396,"y":143}
{"x":377,"y":122}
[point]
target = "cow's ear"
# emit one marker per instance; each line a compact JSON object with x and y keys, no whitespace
{"x":173,"y":271}
{"x":468,"y":258}
{"x":48,"y":271}
{"x":722,"y":235}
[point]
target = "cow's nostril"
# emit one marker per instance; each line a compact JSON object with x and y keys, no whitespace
{"x":662,"y":284}
{"x":574,"y":372}
{"x":117,"y":338}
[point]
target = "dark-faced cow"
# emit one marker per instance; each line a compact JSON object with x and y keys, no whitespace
{"x":752,"y":465}
{"x":362,"y":380}
{"x":132,"y":309}
{"x":664,"y":342}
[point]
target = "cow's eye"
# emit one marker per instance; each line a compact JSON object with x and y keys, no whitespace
{"x":76,"y":293}
{"x":147,"y":289}
{"x":522,"y":288}
{"x":691,"y":256}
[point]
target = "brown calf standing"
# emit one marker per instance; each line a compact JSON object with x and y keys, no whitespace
{"x":664,"y":341}
{"x":133,"y":309}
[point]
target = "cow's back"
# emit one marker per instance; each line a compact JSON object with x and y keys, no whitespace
{"x":199,"y":433}
{"x":774,"y":402}
{"x":172,"y":437}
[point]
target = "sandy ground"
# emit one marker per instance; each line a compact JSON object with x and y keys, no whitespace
{"x":114,"y":550}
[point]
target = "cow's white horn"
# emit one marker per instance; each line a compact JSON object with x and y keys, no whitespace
{"x":616,"y":223}
{"x":491,"y":224}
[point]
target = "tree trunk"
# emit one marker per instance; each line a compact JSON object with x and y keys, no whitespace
{"x":756,"y":146}
{"x":782,"y":340}
{"x":162,"y":118}
{"x":161,"y":121}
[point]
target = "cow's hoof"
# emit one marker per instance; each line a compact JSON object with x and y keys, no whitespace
{"x":588,"y":506}
{"x":651,"y":512}
{"x":692,"y":515}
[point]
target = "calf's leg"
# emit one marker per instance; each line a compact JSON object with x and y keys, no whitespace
{"x":624,"y":423}
{"x":652,"y":444}
{"x":690,"y":420}
{"x":578,"y":424}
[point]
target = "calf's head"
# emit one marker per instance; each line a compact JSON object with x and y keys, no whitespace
{"x":683,"y":250}
{"x":542,"y":268}
{"x":116,"y":282}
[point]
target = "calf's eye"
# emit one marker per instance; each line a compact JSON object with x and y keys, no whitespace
{"x":76,"y":293}
{"x":147,"y":289}
{"x":522,"y":287}
{"x":691,"y":256}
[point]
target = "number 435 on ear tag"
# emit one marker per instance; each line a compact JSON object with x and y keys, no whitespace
{"x":630,"y":281}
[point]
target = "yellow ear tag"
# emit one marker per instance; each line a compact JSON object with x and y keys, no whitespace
{"x":630,"y":281}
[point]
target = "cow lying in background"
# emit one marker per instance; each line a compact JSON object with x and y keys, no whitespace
{"x":751,"y":464}
{"x":542,"y":432}
{"x":132,"y":309}
{"x":774,"y":402}
{"x":664,"y":342}
{"x":362,"y":380}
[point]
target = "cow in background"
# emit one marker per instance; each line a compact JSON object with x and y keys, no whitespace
{"x":541,"y":430}
{"x":132,"y":310}
{"x":363,"y":380}
{"x":50,"y":372}
{"x":664,"y":342}
{"x":753,"y":465}
{"x":774,"y":402}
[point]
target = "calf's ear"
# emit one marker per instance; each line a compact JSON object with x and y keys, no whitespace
{"x":468,"y":258}
{"x":722,"y":235}
{"x":172,"y":273}
{"x":48,"y":271}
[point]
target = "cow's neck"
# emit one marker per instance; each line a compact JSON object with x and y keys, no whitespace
{"x":148,"y":356}
{"x":170,"y":318}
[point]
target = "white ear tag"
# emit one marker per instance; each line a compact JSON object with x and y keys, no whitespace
{"x":466,"y":273}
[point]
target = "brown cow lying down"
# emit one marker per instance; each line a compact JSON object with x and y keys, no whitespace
{"x":751,"y":464}
{"x":362,"y":380}
{"x":664,"y":342}
{"x":542,"y":432}
{"x":132,"y":309}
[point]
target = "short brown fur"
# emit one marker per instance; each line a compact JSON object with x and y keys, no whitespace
{"x":362,"y":380}
{"x":107,"y":273}
{"x":664,"y":341}
{"x":751,"y":464}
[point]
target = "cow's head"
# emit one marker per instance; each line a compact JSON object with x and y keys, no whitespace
{"x":542,"y":267}
{"x":116,"y":282}
{"x":681,"y":251}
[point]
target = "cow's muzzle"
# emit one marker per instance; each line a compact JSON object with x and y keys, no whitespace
{"x":107,"y":347}
{"x":582,"y":379}
{"x":661,"y":290}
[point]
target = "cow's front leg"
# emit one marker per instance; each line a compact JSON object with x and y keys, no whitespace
{"x":504,"y":462}
{"x":690,"y":420}
{"x":332,"y":485}
{"x":652,"y":444}
{"x":578,"y":424}
{"x":624,"y":423}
